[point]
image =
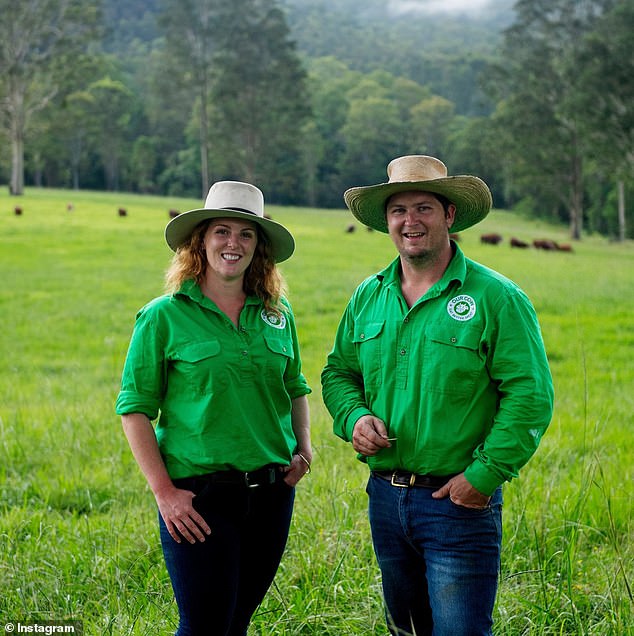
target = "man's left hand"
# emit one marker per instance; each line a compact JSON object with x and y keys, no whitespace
{"x":462,"y":493}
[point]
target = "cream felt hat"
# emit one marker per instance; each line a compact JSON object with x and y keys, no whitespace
{"x":232,"y":199}
{"x":470,"y":195}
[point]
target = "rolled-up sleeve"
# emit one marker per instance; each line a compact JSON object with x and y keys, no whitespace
{"x":144,"y":372}
{"x":519,"y":367}
{"x":294,"y":381}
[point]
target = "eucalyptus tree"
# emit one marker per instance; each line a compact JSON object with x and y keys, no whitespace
{"x":38,"y":41}
{"x":232,"y":64}
{"x":191,"y":29}
{"x":260,"y":99}
{"x":607,"y":73}
{"x":539,"y":122}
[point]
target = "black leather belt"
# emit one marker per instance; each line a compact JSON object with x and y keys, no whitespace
{"x":265,"y":476}
{"x":403,"y":479}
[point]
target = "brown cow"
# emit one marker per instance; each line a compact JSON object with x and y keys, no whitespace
{"x":17,"y":210}
{"x":515,"y":242}
{"x":491,"y":239}
{"x":545,"y":244}
{"x":123,"y":212}
{"x":173,"y":213}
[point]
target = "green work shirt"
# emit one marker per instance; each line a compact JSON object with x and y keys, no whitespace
{"x":460,"y":379}
{"x":223,"y":392}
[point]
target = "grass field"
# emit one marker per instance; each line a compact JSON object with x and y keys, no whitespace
{"x":78,"y":532}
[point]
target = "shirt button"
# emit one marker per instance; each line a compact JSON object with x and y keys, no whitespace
{"x":284,"y":349}
{"x":454,"y":339}
{"x":362,"y":336}
{"x":406,"y":319}
{"x":403,"y":352}
{"x":245,"y":353}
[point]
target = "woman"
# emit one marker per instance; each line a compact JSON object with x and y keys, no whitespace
{"x":218,"y":357}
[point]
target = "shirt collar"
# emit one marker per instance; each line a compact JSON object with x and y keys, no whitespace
{"x":191,"y":289}
{"x":456,"y":271}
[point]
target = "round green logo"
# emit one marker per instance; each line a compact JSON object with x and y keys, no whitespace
{"x":461,"y":308}
{"x":278,"y":321}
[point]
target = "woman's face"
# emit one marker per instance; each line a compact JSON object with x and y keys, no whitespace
{"x":229,"y":246}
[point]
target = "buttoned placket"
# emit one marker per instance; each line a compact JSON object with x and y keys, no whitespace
{"x":244,"y":345}
{"x":403,"y":352}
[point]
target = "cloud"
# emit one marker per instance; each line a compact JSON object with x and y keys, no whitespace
{"x":438,"y":6}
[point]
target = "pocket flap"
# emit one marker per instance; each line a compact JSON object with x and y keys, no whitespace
{"x":367,"y":331}
{"x":279,"y":345}
{"x":459,"y":336}
{"x":196,"y":351}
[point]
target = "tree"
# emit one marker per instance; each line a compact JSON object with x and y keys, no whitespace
{"x":260,"y":99}
{"x":537,"y":112}
{"x":191,"y":28}
{"x":374,"y":134}
{"x":607,"y":73}
{"x":37,"y":40}
{"x":431,"y":124}
{"x":329,"y":83}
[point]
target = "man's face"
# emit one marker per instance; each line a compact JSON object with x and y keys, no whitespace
{"x":418,"y":225}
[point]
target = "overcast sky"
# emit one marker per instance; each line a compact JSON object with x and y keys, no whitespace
{"x":440,"y":6}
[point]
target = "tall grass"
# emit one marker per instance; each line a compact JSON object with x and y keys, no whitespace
{"x":78,"y":532}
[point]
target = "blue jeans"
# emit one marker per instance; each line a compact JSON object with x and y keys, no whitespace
{"x":439,"y":562}
{"x":218,"y":584}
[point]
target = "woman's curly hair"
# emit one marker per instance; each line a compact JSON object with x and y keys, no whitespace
{"x":262,"y":278}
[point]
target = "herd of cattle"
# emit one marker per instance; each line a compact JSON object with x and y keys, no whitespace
{"x":541,"y":244}
{"x":496,"y":239}
{"x":488,"y":239}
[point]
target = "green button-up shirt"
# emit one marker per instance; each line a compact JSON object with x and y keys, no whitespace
{"x":224,"y":393}
{"x":461,"y":379}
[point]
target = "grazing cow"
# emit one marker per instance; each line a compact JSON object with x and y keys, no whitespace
{"x":454,"y":237}
{"x":17,"y":210}
{"x":491,"y":239}
{"x":70,"y":207}
{"x":545,"y":244}
{"x":350,"y":229}
{"x":515,"y":242}
{"x":123,"y":212}
{"x":173,"y":213}
{"x":564,"y":247}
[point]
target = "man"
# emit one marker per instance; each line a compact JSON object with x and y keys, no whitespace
{"x":439,"y":378}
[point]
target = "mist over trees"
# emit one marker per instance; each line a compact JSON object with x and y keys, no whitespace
{"x":306,"y":99}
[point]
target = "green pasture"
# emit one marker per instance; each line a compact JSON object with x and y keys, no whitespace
{"x":78,"y":532}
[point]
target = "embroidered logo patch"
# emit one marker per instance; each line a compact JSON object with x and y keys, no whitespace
{"x":278,"y":321}
{"x":461,"y":308}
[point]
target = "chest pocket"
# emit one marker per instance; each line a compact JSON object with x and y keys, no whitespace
{"x":280,"y":353}
{"x":198,"y":364}
{"x":452,"y":361}
{"x":281,"y":346}
{"x":368,"y":345}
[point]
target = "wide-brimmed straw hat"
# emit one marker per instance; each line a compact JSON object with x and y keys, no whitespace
{"x":232,"y":199}
{"x":469,"y":194}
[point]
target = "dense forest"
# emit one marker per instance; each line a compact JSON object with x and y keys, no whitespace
{"x":308,"y":97}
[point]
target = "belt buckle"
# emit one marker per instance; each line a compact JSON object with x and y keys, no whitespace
{"x":412,"y":481}
{"x":248,"y":483}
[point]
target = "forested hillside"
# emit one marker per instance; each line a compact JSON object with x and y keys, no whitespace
{"x":309,"y":97}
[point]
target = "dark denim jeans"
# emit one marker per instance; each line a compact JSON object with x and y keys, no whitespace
{"x":439,"y":561}
{"x":218,"y":584}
